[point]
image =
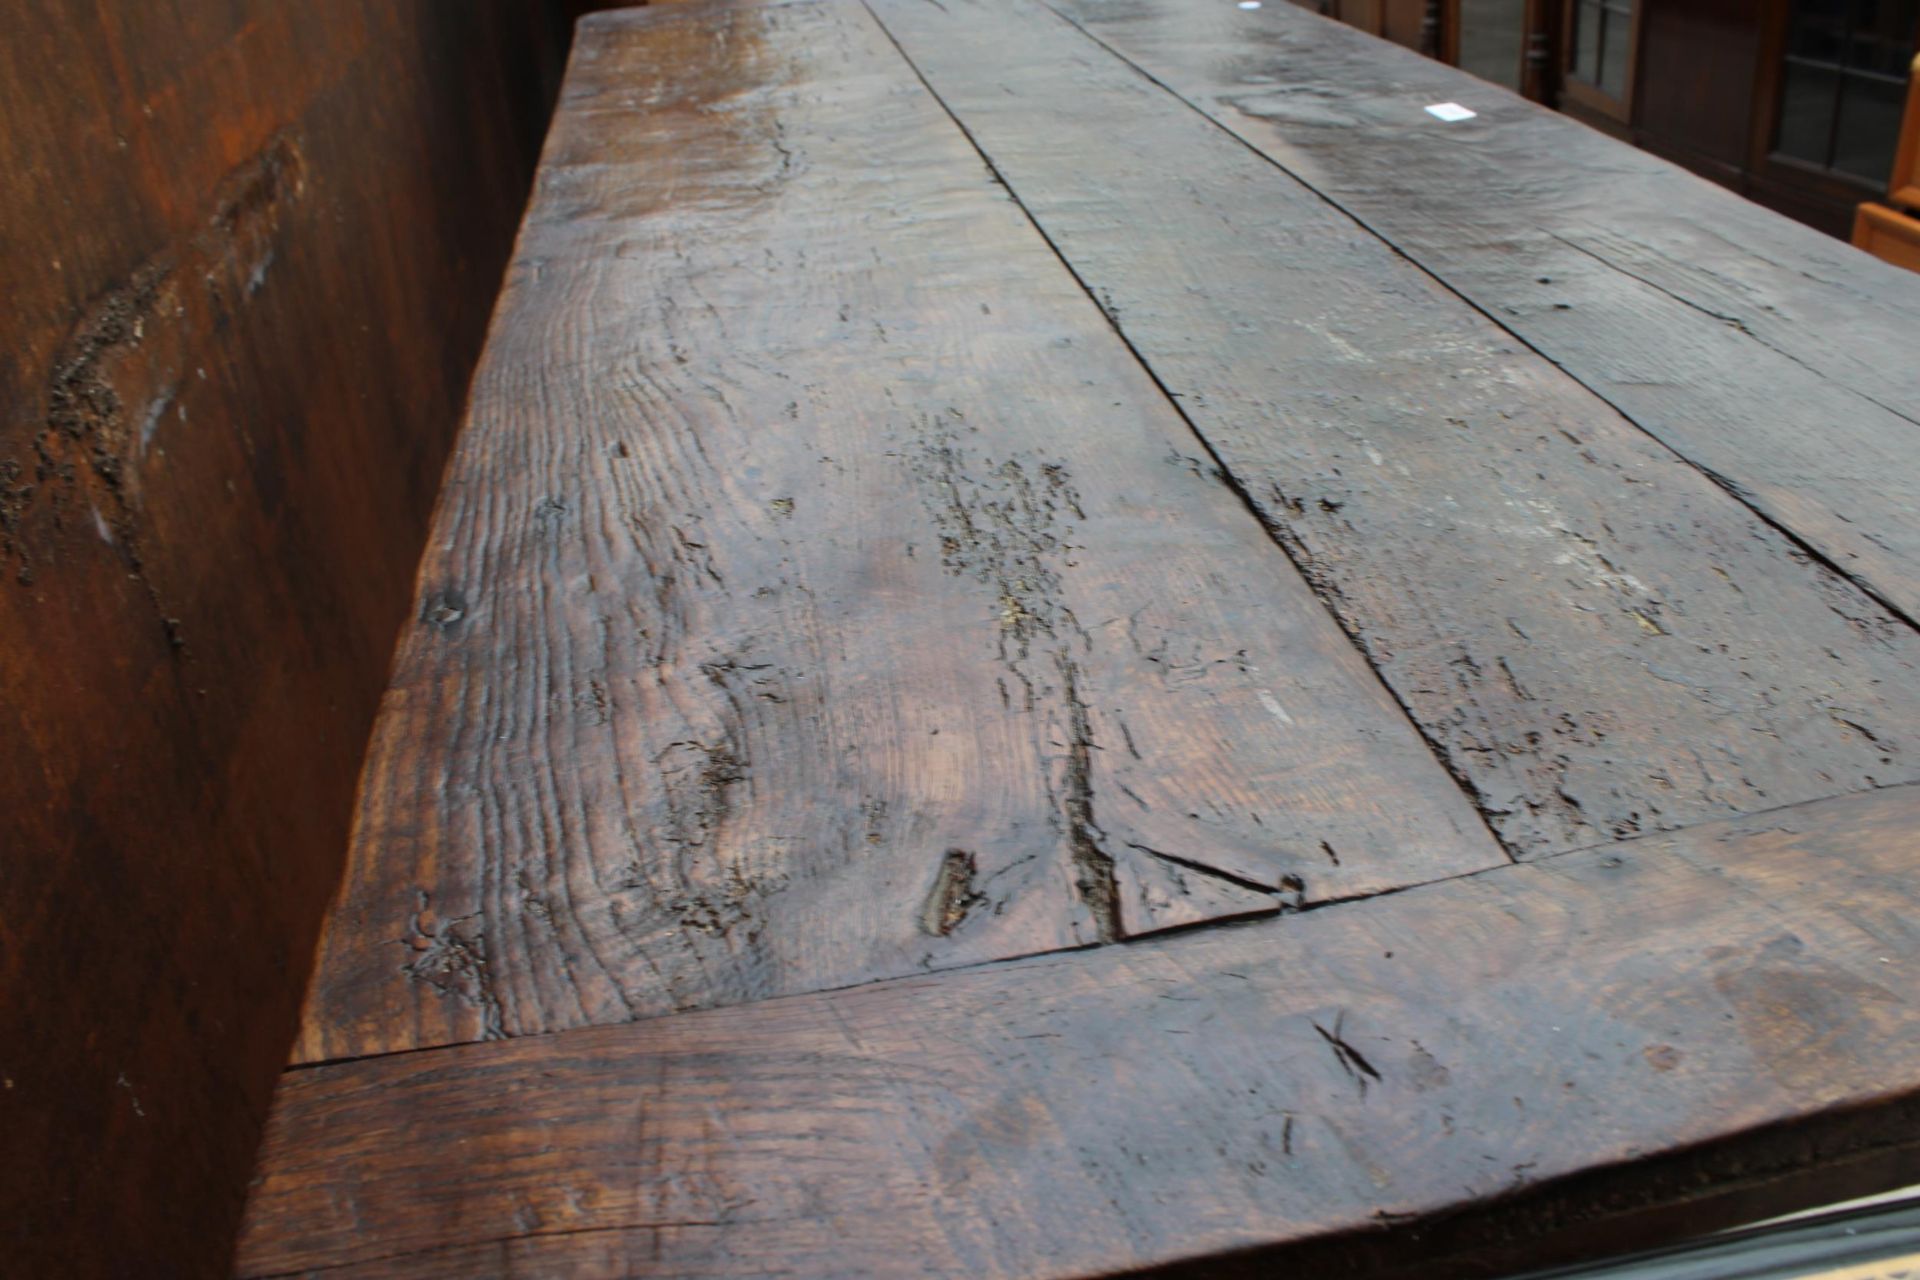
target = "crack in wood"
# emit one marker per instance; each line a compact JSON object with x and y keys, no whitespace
{"x":1351,"y":1060}
{"x":1093,"y":865}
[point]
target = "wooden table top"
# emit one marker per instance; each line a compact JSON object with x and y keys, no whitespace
{"x":956,"y":483}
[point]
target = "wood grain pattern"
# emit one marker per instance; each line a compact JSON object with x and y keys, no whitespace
{"x":1600,"y":640}
{"x":1376,"y":1084}
{"x":1888,"y":234}
{"x":1777,"y":358}
{"x":248,"y":250}
{"x":1903,"y":187}
{"x":821,"y":592}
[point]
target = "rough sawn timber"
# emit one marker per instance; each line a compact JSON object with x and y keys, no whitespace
{"x":1599,"y":639}
{"x":1557,"y":1047}
{"x":821,"y":592}
{"x":1778,"y":358}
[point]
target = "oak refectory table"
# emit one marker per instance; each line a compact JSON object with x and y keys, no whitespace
{"x":1069,"y":638}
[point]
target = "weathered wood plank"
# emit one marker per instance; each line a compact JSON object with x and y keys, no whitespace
{"x":1778,"y":358}
{"x":1599,"y":639}
{"x":821,"y":592}
{"x":1559,"y":1044}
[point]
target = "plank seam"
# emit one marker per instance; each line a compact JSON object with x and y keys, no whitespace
{"x":1732,"y":489}
{"x":1221,"y":470}
{"x":1245,"y":922}
{"x":1732,"y":322}
{"x":1729,"y":1161}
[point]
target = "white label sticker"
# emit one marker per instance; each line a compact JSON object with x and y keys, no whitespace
{"x":1249,"y":4}
{"x":1450,"y":112}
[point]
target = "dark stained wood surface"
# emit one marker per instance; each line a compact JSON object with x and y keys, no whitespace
{"x":247,"y":251}
{"x":821,"y":592}
{"x":1778,"y":359}
{"x":935,"y":500}
{"x":1473,"y":515}
{"x":1373,"y":1084}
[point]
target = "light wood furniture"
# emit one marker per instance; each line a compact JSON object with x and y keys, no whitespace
{"x":1890,"y":234}
{"x":1905,"y":188}
{"x":1892,"y":231}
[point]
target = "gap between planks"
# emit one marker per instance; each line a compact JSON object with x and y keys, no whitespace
{"x":442,"y":939}
{"x":1239,"y":923}
{"x":1543,"y":747}
{"x":1786,"y":973}
{"x":1733,"y":490}
{"x":1223,"y":473}
{"x":1221,"y":470}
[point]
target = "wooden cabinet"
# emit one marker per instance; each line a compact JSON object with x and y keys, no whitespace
{"x":1695,"y":85}
{"x":1599,"y":45}
{"x":1793,"y":103}
{"x":1513,"y":43}
{"x":1413,"y":23}
{"x":1833,"y":80}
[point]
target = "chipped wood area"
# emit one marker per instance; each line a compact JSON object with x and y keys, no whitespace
{"x":948,"y":492}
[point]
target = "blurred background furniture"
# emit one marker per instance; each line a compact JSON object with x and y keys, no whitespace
{"x":1793,"y":103}
{"x":1892,"y":230}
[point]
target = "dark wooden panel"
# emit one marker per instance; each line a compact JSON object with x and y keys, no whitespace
{"x":249,"y":249}
{"x":1698,"y":60}
{"x":1776,"y":358}
{"x":1401,"y":21}
{"x":823,"y":593}
{"x":1412,"y":23}
{"x":1600,"y":640}
{"x":1817,"y":209}
{"x":1554,"y":1046}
